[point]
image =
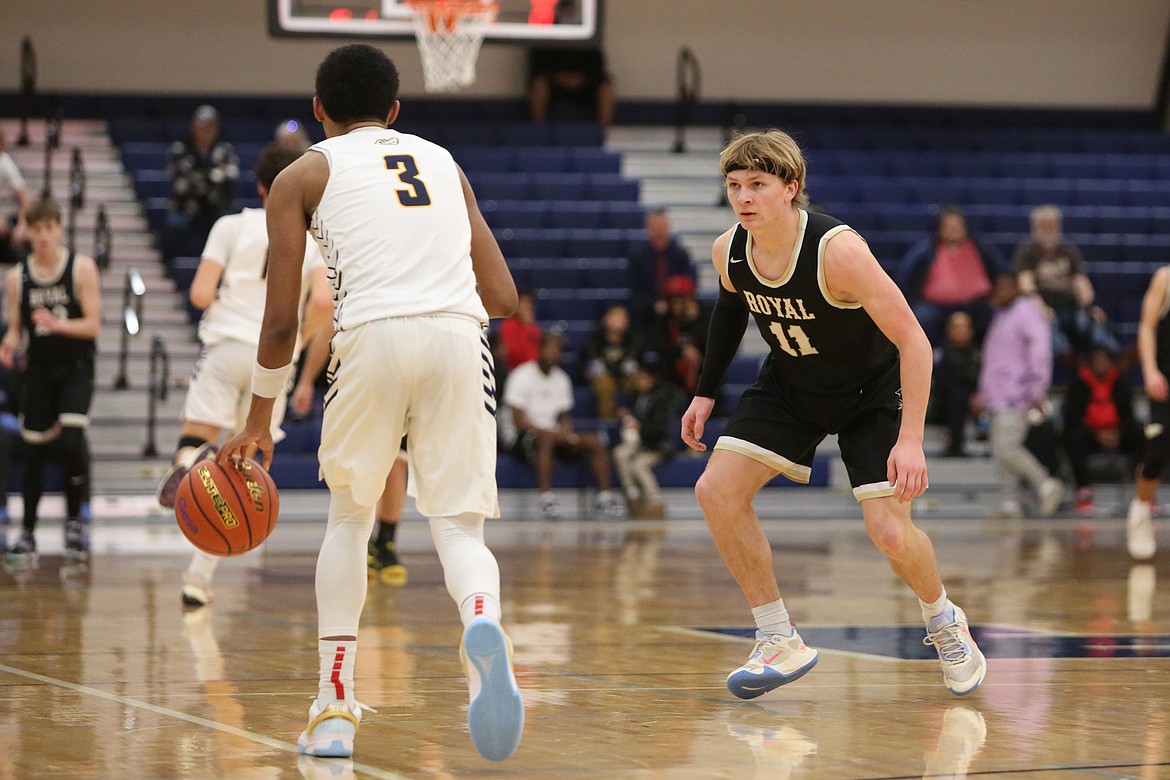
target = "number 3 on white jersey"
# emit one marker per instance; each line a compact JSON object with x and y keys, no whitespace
{"x":407,"y":169}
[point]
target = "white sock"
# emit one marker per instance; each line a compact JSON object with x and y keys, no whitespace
{"x":203,"y":566}
{"x":480,"y":605}
{"x":336,"y":681}
{"x":772,"y":618}
{"x":933,"y":609}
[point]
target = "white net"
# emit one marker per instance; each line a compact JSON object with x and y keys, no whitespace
{"x":449,"y":35}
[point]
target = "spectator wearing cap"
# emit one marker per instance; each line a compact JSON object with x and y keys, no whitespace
{"x":203,"y":170}
{"x":651,"y":264}
{"x":679,"y":334}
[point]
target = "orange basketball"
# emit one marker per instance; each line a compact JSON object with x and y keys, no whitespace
{"x":226,"y":511}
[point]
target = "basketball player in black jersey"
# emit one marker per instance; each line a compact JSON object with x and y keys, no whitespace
{"x":54,"y":296}
{"x":847,"y":357}
{"x":1154,"y":352}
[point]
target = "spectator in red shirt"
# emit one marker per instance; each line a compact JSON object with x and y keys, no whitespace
{"x":520,"y":332}
{"x":1098,"y":417}
{"x":949,"y":271}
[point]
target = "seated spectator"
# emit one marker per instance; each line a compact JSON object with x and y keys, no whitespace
{"x":1014,"y":381}
{"x":569,"y":84}
{"x":13,"y":201}
{"x":203,"y":170}
{"x":649,"y":436}
{"x":949,"y":271}
{"x":1098,"y":417}
{"x":655,"y":261}
{"x":291,"y":134}
{"x":539,"y":397}
{"x":680,"y":334}
{"x":956,"y":381}
{"x":609,"y":360}
{"x":520,"y":333}
{"x":1054,"y":269}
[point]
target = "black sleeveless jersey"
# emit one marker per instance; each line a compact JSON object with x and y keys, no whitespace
{"x":818,"y":345}
{"x":59,"y":297}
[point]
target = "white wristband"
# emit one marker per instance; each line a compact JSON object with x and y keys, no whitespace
{"x":269,"y":382}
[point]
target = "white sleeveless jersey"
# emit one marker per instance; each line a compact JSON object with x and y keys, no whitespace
{"x":393,"y":227}
{"x":239,"y":242}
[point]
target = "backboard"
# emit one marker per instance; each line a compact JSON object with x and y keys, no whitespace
{"x":520,"y":21}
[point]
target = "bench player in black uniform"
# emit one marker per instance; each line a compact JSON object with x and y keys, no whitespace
{"x":54,"y":296}
{"x":848,"y":357}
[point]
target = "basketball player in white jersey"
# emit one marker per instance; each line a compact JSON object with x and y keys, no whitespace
{"x":229,"y":286}
{"x":416,"y":273}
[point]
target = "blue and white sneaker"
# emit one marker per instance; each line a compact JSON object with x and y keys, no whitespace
{"x":496,"y":715}
{"x":76,"y":540}
{"x":331,"y":729}
{"x":24,"y":551}
{"x":170,"y":483}
{"x":963,"y":664}
{"x":776,"y":660}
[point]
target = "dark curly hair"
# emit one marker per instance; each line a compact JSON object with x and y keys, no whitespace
{"x":357,"y":82}
{"x":274,"y":159}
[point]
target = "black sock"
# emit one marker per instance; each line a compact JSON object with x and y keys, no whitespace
{"x":386,"y":529}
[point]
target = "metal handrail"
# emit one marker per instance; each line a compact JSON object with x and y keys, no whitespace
{"x":689,"y":79}
{"x":28,"y":87}
{"x":132,"y":292}
{"x":76,"y":195}
{"x":53,"y":123}
{"x":159,"y":382}
{"x":102,"y":239}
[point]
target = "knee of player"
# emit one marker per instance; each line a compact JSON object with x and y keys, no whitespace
{"x":716,"y":497}
{"x":888,"y":531}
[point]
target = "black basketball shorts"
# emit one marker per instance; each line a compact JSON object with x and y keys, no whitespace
{"x":55,"y":392}
{"x":781,"y":426}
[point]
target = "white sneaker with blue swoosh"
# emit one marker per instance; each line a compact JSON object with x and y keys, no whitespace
{"x":776,"y":660}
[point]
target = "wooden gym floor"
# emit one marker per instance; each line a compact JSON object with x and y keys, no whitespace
{"x":624,"y":633}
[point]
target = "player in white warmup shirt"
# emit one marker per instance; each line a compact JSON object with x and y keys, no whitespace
{"x":416,"y":273}
{"x":229,"y":286}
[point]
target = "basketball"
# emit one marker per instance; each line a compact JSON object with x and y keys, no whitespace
{"x":226,"y":511}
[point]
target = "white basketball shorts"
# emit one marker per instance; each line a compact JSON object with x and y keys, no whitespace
{"x":431,"y":378}
{"x":220,"y":392}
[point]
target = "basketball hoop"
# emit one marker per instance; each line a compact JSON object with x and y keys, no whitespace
{"x":449,"y":33}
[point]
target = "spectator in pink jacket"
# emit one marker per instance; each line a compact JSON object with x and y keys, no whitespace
{"x":1013,"y":389}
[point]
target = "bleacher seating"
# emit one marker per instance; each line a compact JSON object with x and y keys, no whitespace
{"x":566,"y":217}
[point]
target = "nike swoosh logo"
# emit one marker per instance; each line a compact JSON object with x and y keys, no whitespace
{"x":737,"y":260}
{"x":773,"y":658}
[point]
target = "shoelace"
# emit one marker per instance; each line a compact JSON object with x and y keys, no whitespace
{"x":948,"y":640}
{"x":756,"y":658}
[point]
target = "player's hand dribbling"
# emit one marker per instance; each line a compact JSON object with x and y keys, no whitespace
{"x":906,"y":470}
{"x":695,"y":420}
{"x":236,"y":449}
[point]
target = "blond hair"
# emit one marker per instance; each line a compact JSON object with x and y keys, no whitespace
{"x":769,"y":151}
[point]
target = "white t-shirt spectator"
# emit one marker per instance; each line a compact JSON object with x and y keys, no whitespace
{"x":10,"y":183}
{"x":541,"y":397}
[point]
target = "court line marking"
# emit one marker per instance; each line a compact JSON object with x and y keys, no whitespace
{"x":262,"y":739}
